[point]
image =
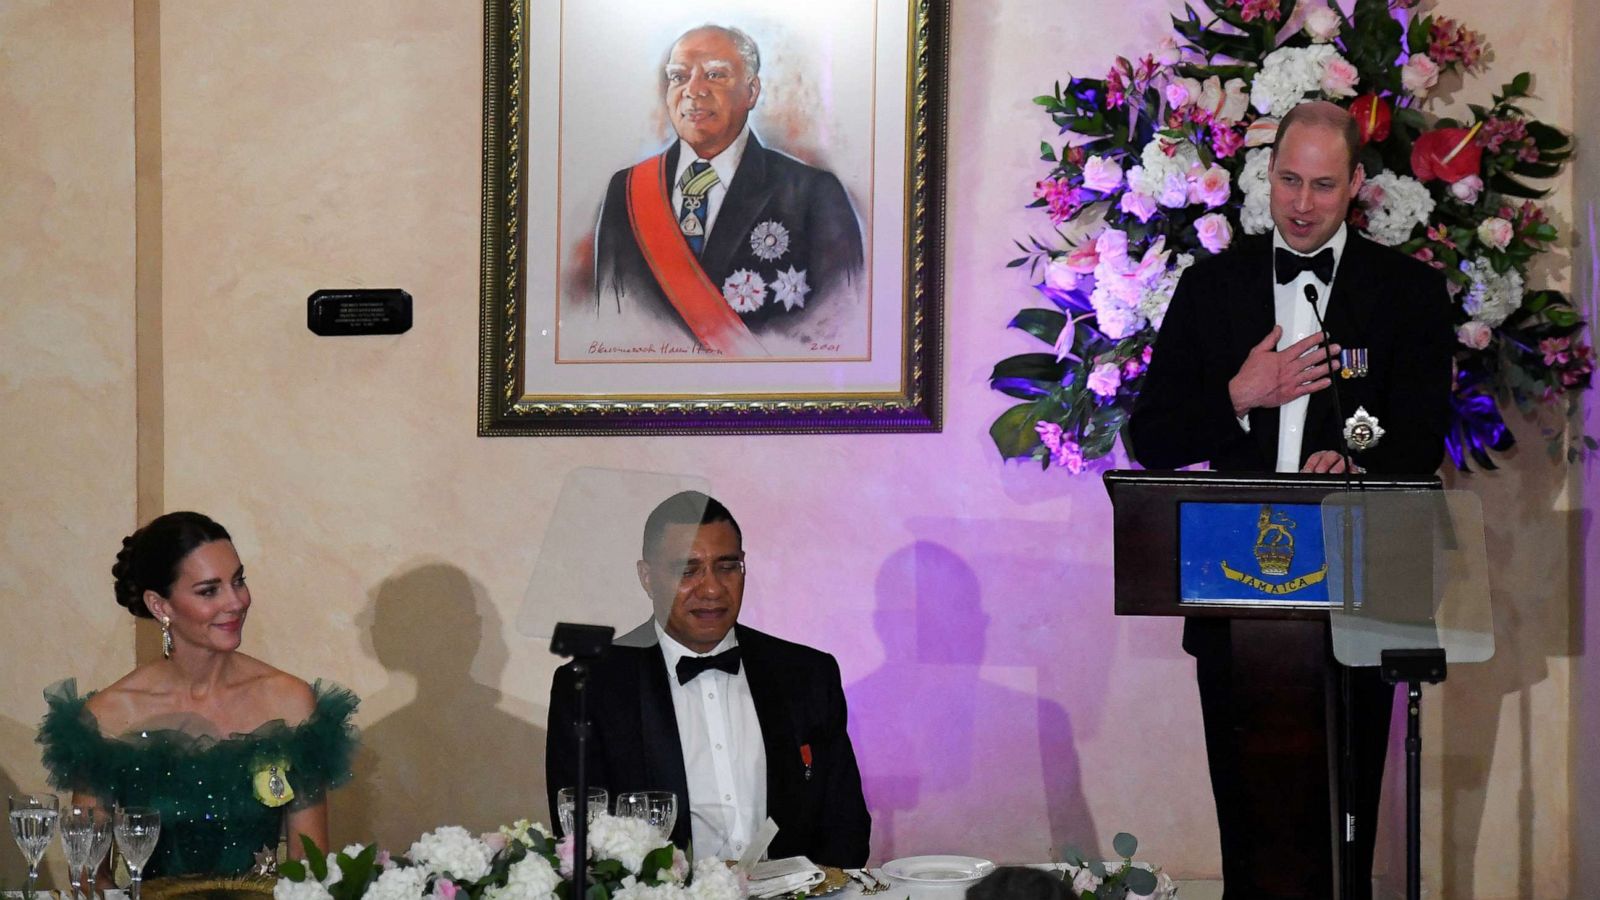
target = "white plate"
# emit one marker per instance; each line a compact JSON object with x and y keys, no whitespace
{"x":938,"y":870}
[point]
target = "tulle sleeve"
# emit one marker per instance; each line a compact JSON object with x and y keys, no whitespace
{"x":324,"y":745}
{"x":76,"y":754}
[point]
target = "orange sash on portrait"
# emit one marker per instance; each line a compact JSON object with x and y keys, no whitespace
{"x":677,"y":270}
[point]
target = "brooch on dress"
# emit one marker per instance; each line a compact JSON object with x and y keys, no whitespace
{"x":271,"y":783}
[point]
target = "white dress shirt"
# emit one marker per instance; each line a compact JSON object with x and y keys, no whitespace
{"x":725,"y":163}
{"x":723,"y":755}
{"x":1290,"y":310}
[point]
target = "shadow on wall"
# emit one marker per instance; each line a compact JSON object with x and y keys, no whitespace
{"x":16,"y":742}
{"x":455,"y":751}
{"x":945,"y":752}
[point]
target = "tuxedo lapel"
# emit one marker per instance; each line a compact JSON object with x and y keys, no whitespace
{"x":778,"y":731}
{"x":658,"y":729}
{"x":1253,"y":305}
{"x":1350,"y":309}
{"x":736,"y":217}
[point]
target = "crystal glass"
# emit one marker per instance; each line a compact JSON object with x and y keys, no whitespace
{"x":33,"y":824}
{"x":659,"y":808}
{"x":137,"y":829}
{"x":566,"y":802}
{"x":98,"y":848}
{"x":81,"y":827}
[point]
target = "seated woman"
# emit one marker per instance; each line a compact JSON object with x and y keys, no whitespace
{"x":229,"y":749}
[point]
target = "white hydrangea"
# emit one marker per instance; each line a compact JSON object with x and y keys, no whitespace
{"x":1156,"y":298}
{"x":638,"y":891}
{"x":531,"y":878}
{"x":1256,"y":215}
{"x":1288,"y":74}
{"x":452,"y":849}
{"x":1395,"y":204}
{"x":309,"y":889}
{"x":625,"y":840}
{"x":715,"y":881}
{"x":1163,"y":171}
{"x":1120,"y":286}
{"x":398,"y":883}
{"x":1493,"y":296}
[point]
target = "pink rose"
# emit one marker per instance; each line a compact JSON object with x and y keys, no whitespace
{"x":1212,"y":187}
{"x":1235,"y":101}
{"x":1216,"y":233}
{"x":1105,"y":379}
{"x":1467,"y":189}
{"x":383,"y":860}
{"x":1339,"y":78}
{"x":1140,"y":206}
{"x":1496,"y":233}
{"x":1474,"y":334}
{"x":1177,"y":95}
{"x":1322,"y":25}
{"x":1419,"y":74}
{"x":494,"y":840}
{"x":1167,"y":52}
{"x":444,"y":889}
{"x":1102,"y":174}
{"x":564,"y":851}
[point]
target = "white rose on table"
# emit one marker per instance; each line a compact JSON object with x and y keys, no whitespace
{"x":1322,"y":25}
{"x":1496,"y":233}
{"x":1419,"y":74}
{"x":1101,"y":174}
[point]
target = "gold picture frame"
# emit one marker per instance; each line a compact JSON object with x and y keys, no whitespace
{"x":531,"y":383}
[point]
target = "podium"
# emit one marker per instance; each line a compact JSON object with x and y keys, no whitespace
{"x":1242,"y":558}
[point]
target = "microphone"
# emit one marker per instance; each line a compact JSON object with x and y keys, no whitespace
{"x":1312,"y":297}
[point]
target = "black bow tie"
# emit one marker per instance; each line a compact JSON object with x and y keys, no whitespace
{"x":690,"y":666}
{"x":1289,"y":265}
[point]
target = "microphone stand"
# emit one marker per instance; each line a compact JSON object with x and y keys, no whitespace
{"x":1347,"y":538}
{"x":584,"y":643}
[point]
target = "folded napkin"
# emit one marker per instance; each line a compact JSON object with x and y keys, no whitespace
{"x":777,"y":877}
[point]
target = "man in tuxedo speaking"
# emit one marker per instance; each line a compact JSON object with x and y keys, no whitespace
{"x":1242,"y":376}
{"x":738,"y":724}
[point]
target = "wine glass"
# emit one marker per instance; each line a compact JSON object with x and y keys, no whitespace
{"x":99,"y":846}
{"x":566,"y":802}
{"x":659,"y":808}
{"x":137,"y":828}
{"x":33,"y":824}
{"x":81,"y":827}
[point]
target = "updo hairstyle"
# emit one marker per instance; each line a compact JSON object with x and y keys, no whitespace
{"x":150,"y":557}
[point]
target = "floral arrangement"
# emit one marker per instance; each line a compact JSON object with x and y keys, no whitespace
{"x":1165,"y":162}
{"x":1095,"y":880}
{"x":627,"y":860}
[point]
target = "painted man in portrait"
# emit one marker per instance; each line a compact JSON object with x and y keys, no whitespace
{"x":720,"y":239}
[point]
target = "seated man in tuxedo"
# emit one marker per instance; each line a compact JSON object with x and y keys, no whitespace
{"x":739,"y":724}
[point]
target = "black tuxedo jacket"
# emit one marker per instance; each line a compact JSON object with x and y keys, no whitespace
{"x":1383,"y":301}
{"x":799,"y":701}
{"x":809,"y":204}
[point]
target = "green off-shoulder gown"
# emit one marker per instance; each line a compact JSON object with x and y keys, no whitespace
{"x":212,"y":820}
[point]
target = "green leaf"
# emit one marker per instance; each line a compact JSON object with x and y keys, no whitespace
{"x":1044,"y":324}
{"x":1140,"y":881}
{"x":1125,"y":845}
{"x":655,"y":862}
{"x":1047,"y":152}
{"x":1039,"y":366}
{"x":1520,"y":84}
{"x":1511,"y":187}
{"x":292,"y":869}
{"x":1097,"y":868}
{"x":1013,"y":432}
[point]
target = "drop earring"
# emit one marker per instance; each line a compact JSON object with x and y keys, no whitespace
{"x":166,"y":638}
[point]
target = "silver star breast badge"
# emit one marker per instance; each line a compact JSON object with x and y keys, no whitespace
{"x":1362,"y":431}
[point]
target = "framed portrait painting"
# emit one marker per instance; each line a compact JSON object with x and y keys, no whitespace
{"x":712,"y":216}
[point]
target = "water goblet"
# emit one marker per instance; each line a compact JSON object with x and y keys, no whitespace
{"x":81,"y":827}
{"x":137,"y":829}
{"x":33,"y":824}
{"x":659,"y":808}
{"x":99,"y":847}
{"x":566,"y":802}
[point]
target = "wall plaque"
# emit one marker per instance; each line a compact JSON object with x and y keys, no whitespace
{"x":359,"y":311}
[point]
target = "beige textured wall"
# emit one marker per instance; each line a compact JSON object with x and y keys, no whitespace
{"x":66,"y":359}
{"x":309,"y":145}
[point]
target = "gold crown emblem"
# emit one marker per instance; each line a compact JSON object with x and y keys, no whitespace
{"x":1274,"y":542}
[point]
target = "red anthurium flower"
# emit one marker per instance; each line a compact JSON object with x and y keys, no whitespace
{"x":1448,"y":154}
{"x":1372,"y":115}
